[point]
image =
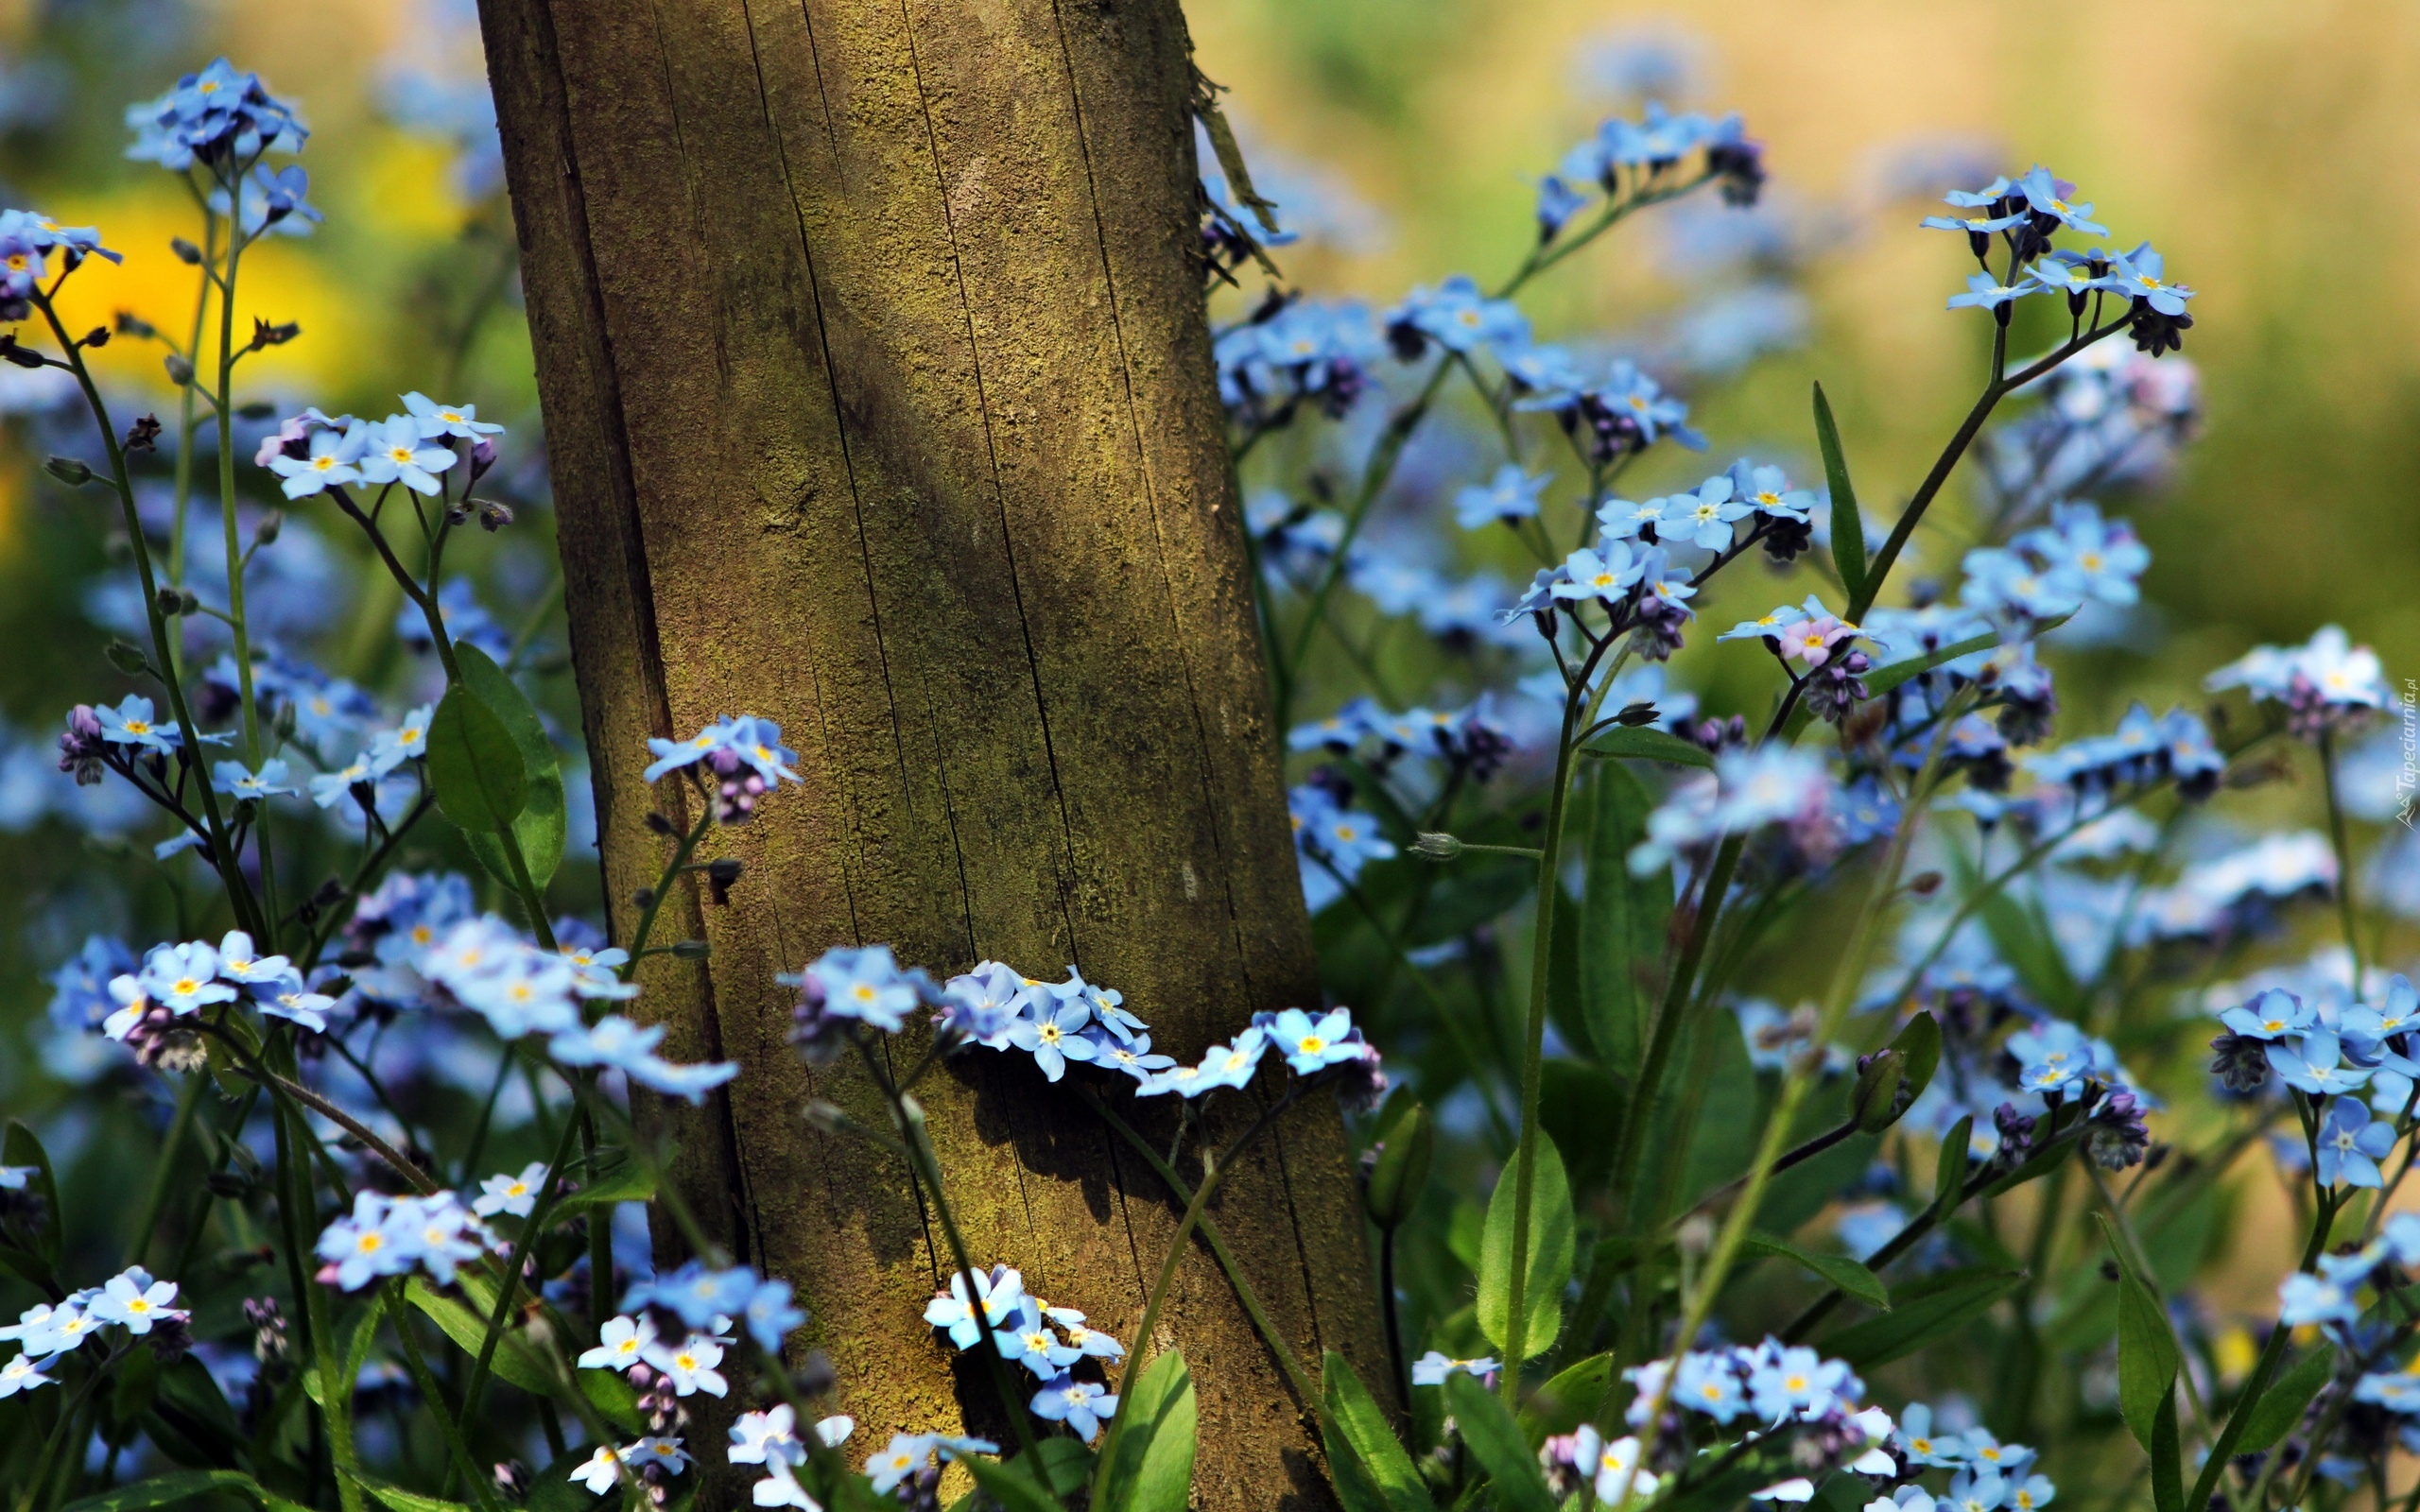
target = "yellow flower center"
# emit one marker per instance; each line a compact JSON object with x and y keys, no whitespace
{"x":186,"y":986}
{"x":1311,"y":1044}
{"x":138,"y":727}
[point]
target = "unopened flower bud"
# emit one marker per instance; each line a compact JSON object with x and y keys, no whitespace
{"x":179,"y":370}
{"x":271,"y":526}
{"x":1434,"y":845}
{"x":691,"y":949}
{"x":69,"y":471}
{"x":186,"y":252}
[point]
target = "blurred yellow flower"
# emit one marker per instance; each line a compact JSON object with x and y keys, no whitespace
{"x":279,"y":279}
{"x":404,"y":188}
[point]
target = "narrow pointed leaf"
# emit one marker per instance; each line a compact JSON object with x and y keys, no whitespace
{"x":2168,"y":1458}
{"x":1646,"y":744}
{"x":1921,"y":1312}
{"x":1841,"y":1271}
{"x":1848,"y":528}
{"x":1950,"y":1174}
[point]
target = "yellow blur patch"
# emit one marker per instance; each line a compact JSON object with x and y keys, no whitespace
{"x":405,"y":188}
{"x":2234,"y":1353}
{"x":279,"y":279}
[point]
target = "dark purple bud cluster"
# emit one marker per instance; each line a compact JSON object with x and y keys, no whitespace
{"x":2240,"y":1063}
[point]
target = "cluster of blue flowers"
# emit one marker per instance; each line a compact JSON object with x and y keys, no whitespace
{"x":221,"y":117}
{"x":1783,"y":1388}
{"x":737,"y":761}
{"x":2051,"y":572}
{"x":1028,"y":1331}
{"x":770,"y":1439}
{"x":999,"y":1007}
{"x":386,"y":1236}
{"x":2330,"y":1051}
{"x":177,"y":982}
{"x":2026,"y":214}
{"x":27,"y":241}
{"x":1291,"y":352}
{"x":48,"y":1331}
{"x":2328,"y":684}
{"x":1469,"y":740}
{"x":315,"y":452}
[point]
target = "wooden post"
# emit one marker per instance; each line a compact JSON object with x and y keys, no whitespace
{"x":879,"y":401}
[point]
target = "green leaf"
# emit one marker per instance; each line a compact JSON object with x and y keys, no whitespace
{"x":398,"y":1499}
{"x":1355,"y":1489}
{"x":1848,"y":528}
{"x":1061,"y":1465}
{"x":474,"y":765}
{"x":1644,"y":743}
{"x":2281,"y":1406}
{"x":514,"y":1360}
{"x":1155,"y":1468}
{"x":1949,"y":1169}
{"x":167,"y":1490}
{"x":1011,"y":1484}
{"x":630,"y":1181}
{"x":544,"y":823}
{"x":1921,"y":1312}
{"x":609,"y":1393}
{"x":1550,"y":1255}
{"x":23,"y":1148}
{"x":2146,"y":1355}
{"x":1920,"y":1041}
{"x":1372,"y":1449}
{"x":1883,"y":679}
{"x":1622,"y":921}
{"x":2167,"y":1461}
{"x":1841,"y":1271}
{"x":1572,"y":1397}
{"x":1496,"y":1442}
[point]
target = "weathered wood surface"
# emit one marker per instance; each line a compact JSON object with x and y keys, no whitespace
{"x":878,"y":395}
